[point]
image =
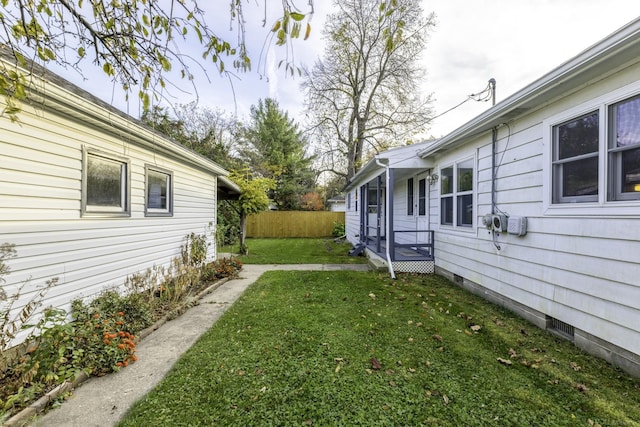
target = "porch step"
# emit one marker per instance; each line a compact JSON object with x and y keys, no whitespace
{"x":357,"y":249}
{"x":377,"y":264}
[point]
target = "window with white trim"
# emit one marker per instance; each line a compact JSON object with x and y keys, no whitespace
{"x":105,"y":184}
{"x":595,"y":155}
{"x":456,"y":194}
{"x":159,"y":192}
{"x":575,"y":159}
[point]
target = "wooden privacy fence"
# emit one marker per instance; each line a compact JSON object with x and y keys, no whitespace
{"x":293,"y":223}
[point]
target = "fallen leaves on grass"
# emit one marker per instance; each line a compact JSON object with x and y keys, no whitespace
{"x":581,"y":387}
{"x":505,"y":361}
{"x":375,"y":364}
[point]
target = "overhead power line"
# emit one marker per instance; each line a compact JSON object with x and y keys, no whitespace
{"x":486,"y":94}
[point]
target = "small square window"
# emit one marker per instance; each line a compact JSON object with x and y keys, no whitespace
{"x":105,"y":185}
{"x":159,"y":192}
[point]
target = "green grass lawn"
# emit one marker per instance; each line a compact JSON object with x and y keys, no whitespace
{"x":296,"y":251}
{"x":356,"y":348}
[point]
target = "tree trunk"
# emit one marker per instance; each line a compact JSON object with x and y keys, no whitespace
{"x":244,"y":250}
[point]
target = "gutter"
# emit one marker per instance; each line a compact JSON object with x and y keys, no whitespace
{"x":386,"y":218}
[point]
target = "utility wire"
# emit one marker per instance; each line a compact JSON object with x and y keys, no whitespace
{"x":483,"y":96}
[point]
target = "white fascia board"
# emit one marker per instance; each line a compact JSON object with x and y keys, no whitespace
{"x":229,"y":184}
{"x":405,"y":157}
{"x":366,"y":174}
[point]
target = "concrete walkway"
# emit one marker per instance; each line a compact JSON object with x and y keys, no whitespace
{"x":103,"y":401}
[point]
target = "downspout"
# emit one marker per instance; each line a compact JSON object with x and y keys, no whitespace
{"x":386,"y":219}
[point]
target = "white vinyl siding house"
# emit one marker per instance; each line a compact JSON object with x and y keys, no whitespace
{"x":549,"y":224}
{"x":91,"y":196}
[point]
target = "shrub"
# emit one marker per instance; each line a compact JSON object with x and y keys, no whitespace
{"x":100,"y":336}
{"x":108,"y":343}
{"x":51,"y":358}
{"x":137,"y":313}
{"x":194,"y":251}
{"x":56,"y":353}
{"x":338,"y":229}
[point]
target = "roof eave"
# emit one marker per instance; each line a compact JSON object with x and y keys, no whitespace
{"x":227,"y":189}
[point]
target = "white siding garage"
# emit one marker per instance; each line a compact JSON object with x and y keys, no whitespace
{"x":91,"y":196}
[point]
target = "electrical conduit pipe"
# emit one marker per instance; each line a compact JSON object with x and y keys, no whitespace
{"x":386,"y":218}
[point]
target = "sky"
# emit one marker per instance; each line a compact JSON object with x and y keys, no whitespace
{"x":513,"y":42}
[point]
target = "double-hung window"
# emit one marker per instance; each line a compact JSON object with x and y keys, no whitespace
{"x":595,"y":156}
{"x":575,"y":159}
{"x":456,"y":194}
{"x":159,"y":192}
{"x":105,"y":185}
{"x":446,"y":196}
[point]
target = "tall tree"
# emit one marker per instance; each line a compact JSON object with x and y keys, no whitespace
{"x":136,"y":42}
{"x":209,"y":132}
{"x":363,"y":95}
{"x":274,"y":147}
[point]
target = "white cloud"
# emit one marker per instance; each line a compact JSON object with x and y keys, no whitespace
{"x":514,"y":42}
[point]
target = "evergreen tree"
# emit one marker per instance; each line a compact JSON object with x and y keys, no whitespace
{"x":274,"y":148}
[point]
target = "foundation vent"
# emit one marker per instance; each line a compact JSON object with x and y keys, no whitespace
{"x":561,"y":328}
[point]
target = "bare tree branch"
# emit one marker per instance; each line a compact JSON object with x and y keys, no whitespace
{"x":363,"y":95}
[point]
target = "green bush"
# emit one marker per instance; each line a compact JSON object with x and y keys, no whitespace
{"x":137,"y":313}
{"x":338,"y":229}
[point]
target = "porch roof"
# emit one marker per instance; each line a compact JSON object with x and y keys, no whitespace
{"x":227,"y":189}
{"x":404,"y":160}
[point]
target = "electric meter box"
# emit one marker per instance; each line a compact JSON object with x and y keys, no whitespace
{"x":499,"y":223}
{"x":517,"y":225}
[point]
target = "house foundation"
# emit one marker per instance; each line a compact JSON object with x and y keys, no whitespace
{"x":617,"y":356}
